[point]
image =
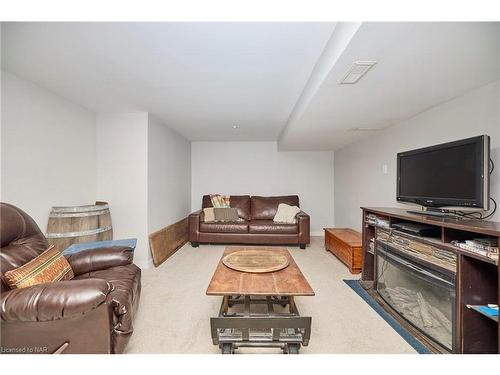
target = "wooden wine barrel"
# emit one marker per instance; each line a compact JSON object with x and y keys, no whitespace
{"x":79,"y":224}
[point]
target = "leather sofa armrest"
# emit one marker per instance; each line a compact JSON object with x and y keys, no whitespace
{"x":194,"y":225}
{"x":196,"y":213}
{"x":100,"y":258}
{"x":303,"y":220}
{"x":53,"y":301}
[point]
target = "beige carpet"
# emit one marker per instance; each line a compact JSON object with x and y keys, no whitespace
{"x":174,"y":312}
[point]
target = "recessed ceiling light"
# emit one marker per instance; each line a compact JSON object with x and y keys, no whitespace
{"x":235,"y":126}
{"x":358,"y":70}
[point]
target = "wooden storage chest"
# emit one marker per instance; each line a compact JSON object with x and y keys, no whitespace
{"x":345,"y":244}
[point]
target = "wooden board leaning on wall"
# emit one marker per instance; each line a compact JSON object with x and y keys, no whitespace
{"x":166,"y":241}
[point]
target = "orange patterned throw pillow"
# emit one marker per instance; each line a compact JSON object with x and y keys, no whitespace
{"x":48,"y":267}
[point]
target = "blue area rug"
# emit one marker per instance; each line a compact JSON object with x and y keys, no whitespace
{"x":407,"y":336}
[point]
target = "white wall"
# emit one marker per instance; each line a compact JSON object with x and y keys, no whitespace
{"x":48,"y":150}
{"x":359,"y":180}
{"x":56,"y":153}
{"x":122,"y":178}
{"x":144,"y":172}
{"x":169,"y":176}
{"x":257,"y":168}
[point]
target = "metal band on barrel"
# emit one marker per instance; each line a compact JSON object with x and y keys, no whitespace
{"x":79,"y":234}
{"x":79,"y":214}
{"x":88,"y":208}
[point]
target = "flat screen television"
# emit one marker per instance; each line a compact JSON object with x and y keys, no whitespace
{"x":449,"y":175}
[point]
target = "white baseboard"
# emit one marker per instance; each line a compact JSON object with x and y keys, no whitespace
{"x":317,"y":234}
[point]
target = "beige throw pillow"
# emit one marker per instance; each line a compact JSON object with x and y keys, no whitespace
{"x":286,"y":214}
{"x":209,"y":215}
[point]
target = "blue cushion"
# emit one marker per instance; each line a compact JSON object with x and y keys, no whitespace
{"x":75,"y":248}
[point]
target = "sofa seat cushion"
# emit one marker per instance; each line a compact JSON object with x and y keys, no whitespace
{"x":123,"y":299}
{"x":224,"y":227}
{"x":269,"y":226}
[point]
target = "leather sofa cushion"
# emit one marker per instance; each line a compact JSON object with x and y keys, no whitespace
{"x":268,"y":226}
{"x":224,"y":227}
{"x":264,"y":208}
{"x":240,"y":202}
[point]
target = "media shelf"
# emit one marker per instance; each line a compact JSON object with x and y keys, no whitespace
{"x":478,"y":309}
{"x":476,"y":275}
{"x":444,"y":245}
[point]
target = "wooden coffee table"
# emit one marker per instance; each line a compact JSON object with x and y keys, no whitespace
{"x":279,"y":325}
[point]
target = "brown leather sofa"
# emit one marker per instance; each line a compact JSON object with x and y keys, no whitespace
{"x":91,"y":313}
{"x":257,"y":228}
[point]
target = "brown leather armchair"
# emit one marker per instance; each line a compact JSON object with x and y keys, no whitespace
{"x":91,"y":313}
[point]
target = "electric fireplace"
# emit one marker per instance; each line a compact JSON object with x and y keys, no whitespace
{"x":422,"y":295}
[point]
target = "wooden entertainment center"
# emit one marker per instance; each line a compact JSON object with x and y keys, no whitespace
{"x":475,"y":277}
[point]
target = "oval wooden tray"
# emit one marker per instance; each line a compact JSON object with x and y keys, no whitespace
{"x":255,"y":261}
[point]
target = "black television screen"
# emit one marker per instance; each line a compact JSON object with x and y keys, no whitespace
{"x":453,"y":174}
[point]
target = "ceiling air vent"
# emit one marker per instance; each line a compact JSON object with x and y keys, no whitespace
{"x":358,"y":70}
{"x":364,"y":129}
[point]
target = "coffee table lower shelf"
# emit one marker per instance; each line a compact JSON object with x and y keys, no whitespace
{"x":285,"y":330}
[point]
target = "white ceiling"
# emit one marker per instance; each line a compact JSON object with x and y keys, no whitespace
{"x":201,"y":78}
{"x":419,"y":66}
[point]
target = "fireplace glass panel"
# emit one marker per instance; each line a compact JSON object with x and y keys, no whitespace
{"x":422,"y":296}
